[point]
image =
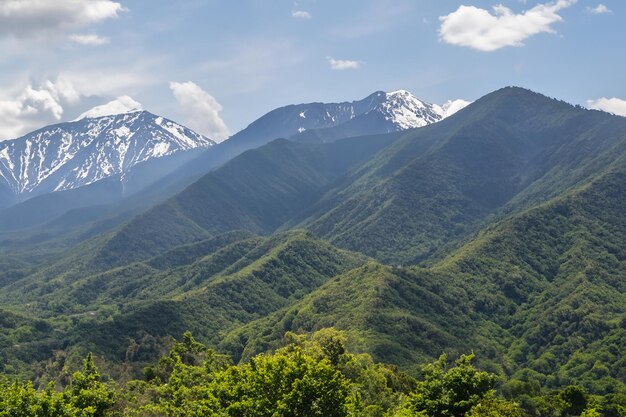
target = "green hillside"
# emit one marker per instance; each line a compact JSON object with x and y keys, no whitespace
{"x":258,"y":191}
{"x":498,"y":231}
{"x":539,"y":297}
{"x":208,"y":287}
{"x":509,"y":150}
{"x":398,"y":315}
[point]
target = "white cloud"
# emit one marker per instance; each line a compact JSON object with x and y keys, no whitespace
{"x":343,"y":64}
{"x":301,"y":14}
{"x":62,"y":90}
{"x":611,"y":105}
{"x":43,"y":18}
{"x":35,"y":101}
{"x":29,"y":107}
{"x":93,"y":40}
{"x":200,"y":110}
{"x":33,"y":107}
{"x":452,"y":106}
{"x":599,"y":9}
{"x":479,"y":29}
{"x":122,"y":104}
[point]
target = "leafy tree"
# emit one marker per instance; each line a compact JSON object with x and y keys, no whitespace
{"x":87,"y":393}
{"x":288,"y":383}
{"x":575,"y":400}
{"x":451,"y":391}
{"x":52,"y":404}
{"x":17,"y":399}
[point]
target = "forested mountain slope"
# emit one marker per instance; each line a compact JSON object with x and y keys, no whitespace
{"x":503,"y":153}
{"x":499,"y":230}
{"x":207,"y":287}
{"x":539,"y":296}
{"x":258,"y":191}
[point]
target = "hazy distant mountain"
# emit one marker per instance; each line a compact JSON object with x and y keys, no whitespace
{"x":384,"y":113}
{"x":380,"y":112}
{"x":71,"y":155}
{"x":137,"y":149}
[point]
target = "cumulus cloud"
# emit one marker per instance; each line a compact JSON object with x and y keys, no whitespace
{"x":27,"y":108}
{"x":343,"y":64}
{"x":301,"y":14}
{"x":62,"y":90}
{"x":33,"y":107}
{"x":480,"y":29}
{"x":92,"y":40}
{"x":123,"y":104}
{"x":610,"y":105}
{"x":34,"y":101}
{"x":452,"y":106}
{"x":201,"y":110}
{"x":39,"y":18}
{"x":599,"y":9}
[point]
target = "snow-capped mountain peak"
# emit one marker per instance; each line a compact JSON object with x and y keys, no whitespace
{"x":380,"y":112}
{"x":75,"y":154}
{"x":406,"y":111}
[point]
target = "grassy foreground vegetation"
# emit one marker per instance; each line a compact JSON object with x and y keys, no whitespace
{"x":311,"y":376}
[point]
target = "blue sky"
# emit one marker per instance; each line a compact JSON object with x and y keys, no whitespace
{"x":219,"y":64}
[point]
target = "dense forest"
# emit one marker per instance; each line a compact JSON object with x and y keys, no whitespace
{"x":310,"y":376}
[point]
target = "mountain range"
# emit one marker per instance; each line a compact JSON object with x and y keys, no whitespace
{"x":112,"y":157}
{"x":380,"y":112}
{"x":499,"y":230}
